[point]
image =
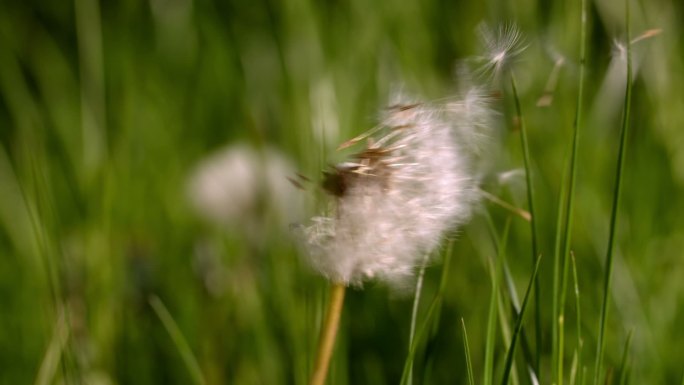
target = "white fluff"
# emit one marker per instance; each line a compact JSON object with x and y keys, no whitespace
{"x":409,"y":186}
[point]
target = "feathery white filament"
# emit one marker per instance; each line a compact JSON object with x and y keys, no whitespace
{"x":407,"y":188}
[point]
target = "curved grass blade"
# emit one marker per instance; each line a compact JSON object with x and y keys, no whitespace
{"x":466,"y":348}
{"x":578,"y":320}
{"x":491,"y":321}
{"x":608,"y":273}
{"x":518,"y":326}
{"x":624,"y":362}
{"x":414,"y":311}
{"x":432,"y":312}
{"x":571,"y":194}
{"x":533,"y":221}
{"x":178,"y":340}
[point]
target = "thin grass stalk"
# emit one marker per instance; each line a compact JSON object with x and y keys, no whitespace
{"x":608,"y":273}
{"x":178,"y":339}
{"x":510,"y":355}
{"x":42,"y":215}
{"x":514,"y":301}
{"x":624,"y":362}
{"x":573,"y":369}
{"x":419,"y":336}
{"x":466,"y":348}
{"x":491,"y":321}
{"x":557,"y":270}
{"x":434,"y":308}
{"x":54,"y":352}
{"x":414,"y":311}
{"x":567,"y":239}
{"x":329,"y":329}
{"x":506,"y":335}
{"x":578,"y":320}
{"x":515,"y":308}
{"x":442,"y":286}
{"x":533,"y":220}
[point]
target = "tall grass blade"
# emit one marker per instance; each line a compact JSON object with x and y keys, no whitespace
{"x":418,"y":337}
{"x":608,"y":273}
{"x":466,"y":348}
{"x":567,"y":238}
{"x":53,"y":354}
{"x":533,"y":221}
{"x":578,"y":320}
{"x":414,"y":312}
{"x":431,"y":317}
{"x":573,"y":369}
{"x":510,"y":355}
{"x":178,"y":340}
{"x":555,"y":320}
{"x":624,"y":362}
{"x":494,"y":297}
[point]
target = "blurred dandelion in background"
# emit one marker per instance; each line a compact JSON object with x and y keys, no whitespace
{"x":231,"y":187}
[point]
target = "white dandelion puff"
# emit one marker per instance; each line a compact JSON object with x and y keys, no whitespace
{"x":396,"y":199}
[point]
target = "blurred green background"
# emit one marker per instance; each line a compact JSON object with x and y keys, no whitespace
{"x":106,"y":110}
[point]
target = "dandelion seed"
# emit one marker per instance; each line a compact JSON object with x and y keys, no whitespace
{"x":398,"y":196}
{"x":501,"y":47}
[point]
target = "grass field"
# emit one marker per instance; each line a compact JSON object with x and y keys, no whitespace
{"x":116,"y":269}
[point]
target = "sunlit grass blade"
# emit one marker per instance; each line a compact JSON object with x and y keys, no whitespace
{"x":624,"y":362}
{"x":573,"y":368}
{"x":534,"y":219}
{"x":608,"y":273}
{"x":510,"y":355}
{"x":466,"y":348}
{"x":178,"y":340}
{"x":53,"y":354}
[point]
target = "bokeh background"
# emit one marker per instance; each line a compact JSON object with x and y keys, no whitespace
{"x":145,"y":147}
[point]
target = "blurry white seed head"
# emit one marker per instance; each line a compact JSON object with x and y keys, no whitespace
{"x":395,"y":199}
{"x":228,"y":187}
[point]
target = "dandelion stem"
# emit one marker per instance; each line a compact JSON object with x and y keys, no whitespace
{"x":328,"y":333}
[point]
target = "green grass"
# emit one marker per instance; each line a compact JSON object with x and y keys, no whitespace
{"x":106,"y":109}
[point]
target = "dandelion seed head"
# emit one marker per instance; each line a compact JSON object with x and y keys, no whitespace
{"x":395,"y":199}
